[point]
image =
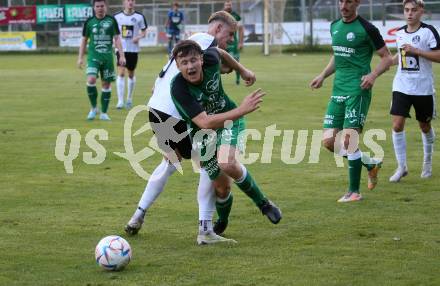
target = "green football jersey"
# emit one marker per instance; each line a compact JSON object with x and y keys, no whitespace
{"x":209,"y":96}
{"x":233,"y":47}
{"x":353,"y":46}
{"x":100,"y":33}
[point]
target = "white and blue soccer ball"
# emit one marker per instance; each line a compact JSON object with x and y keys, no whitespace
{"x":113,"y":253}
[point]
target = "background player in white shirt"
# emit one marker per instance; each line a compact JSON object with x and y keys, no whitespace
{"x":418,"y":45}
{"x":133,"y":27}
{"x":220,"y":31}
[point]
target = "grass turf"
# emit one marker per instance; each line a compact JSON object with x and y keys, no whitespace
{"x":50,"y":221}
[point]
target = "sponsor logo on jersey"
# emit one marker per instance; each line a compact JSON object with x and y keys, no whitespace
{"x":127,"y":31}
{"x":351,"y":116}
{"x":409,"y":62}
{"x":344,"y":49}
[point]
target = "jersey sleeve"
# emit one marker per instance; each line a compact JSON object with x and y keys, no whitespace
{"x":434,"y":38}
{"x":373,"y":33}
{"x":116,"y":26}
{"x":144,"y":24}
{"x":85,"y":31}
{"x":186,"y":104}
{"x":211,"y":57}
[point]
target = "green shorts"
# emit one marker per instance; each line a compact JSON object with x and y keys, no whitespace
{"x":103,"y":67}
{"x":225,"y":136}
{"x":347,"y":111}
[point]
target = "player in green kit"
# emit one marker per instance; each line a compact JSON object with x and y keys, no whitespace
{"x":235,"y":47}
{"x":354,"y":40}
{"x":99,"y":32}
{"x":198,"y":95}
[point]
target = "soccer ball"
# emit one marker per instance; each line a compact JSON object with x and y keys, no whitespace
{"x":113,"y":253}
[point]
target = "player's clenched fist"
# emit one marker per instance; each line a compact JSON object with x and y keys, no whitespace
{"x":248,"y":76}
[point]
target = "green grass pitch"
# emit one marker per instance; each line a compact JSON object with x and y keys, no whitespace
{"x":50,"y":221}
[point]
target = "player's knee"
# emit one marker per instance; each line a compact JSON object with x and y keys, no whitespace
{"x":425,"y":126}
{"x":222,"y":192}
{"x":398,"y":126}
{"x":105,"y":85}
{"x":91,"y":81}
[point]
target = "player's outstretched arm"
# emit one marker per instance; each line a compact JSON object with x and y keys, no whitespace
{"x":82,"y":50}
{"x":247,"y":75}
{"x":386,"y":60}
{"x":249,"y":104}
{"x":118,"y":45}
{"x":433,"y":55}
{"x":328,"y":70}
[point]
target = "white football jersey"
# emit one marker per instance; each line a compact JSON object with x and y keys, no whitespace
{"x":161,"y":98}
{"x":414,"y":75}
{"x":130,"y":27}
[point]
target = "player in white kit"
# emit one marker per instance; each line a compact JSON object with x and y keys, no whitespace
{"x":165,"y":118}
{"x":133,"y":27}
{"x":418,"y":45}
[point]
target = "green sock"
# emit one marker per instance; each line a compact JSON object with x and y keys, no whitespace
{"x":354,"y":174}
{"x":224,"y":208}
{"x":251,"y":189}
{"x":92,"y":92}
{"x":237,"y":77}
{"x":105,"y":100}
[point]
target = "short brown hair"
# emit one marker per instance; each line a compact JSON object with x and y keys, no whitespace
{"x":419,"y":3}
{"x":224,"y":17}
{"x":186,"y":47}
{"x":94,"y":1}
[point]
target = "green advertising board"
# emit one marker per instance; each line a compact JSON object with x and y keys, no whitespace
{"x":50,"y":14}
{"x":78,"y":12}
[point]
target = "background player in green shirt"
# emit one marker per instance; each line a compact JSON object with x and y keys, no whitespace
{"x":99,"y":32}
{"x":235,"y":47}
{"x":354,"y":40}
{"x":199,"y":97}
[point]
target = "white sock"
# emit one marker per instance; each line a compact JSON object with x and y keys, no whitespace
{"x":399,"y":142}
{"x":205,"y":226}
{"x":205,"y":197}
{"x":354,"y":156}
{"x":120,"y":86}
{"x":131,"y":83}
{"x":428,"y":146}
{"x":155,"y":185}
